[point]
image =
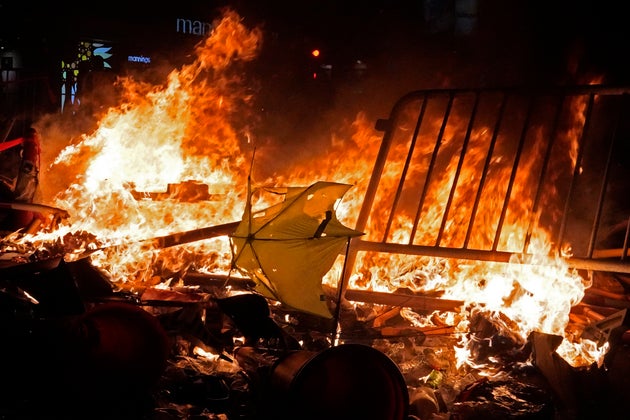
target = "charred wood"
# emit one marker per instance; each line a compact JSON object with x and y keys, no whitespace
{"x":419,"y":302}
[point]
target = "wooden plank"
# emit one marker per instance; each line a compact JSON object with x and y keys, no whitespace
{"x":173,"y":239}
{"x":398,"y":299}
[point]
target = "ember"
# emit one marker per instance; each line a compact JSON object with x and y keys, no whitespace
{"x":444,"y":271}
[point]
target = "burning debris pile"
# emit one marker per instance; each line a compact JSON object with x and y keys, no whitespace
{"x":165,"y":282}
{"x":80,"y":347}
{"x":77,"y":350}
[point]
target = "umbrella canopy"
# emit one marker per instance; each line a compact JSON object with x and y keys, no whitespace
{"x":289,"y":247}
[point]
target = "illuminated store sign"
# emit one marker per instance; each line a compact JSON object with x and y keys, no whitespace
{"x":193,"y":27}
{"x":139,"y":59}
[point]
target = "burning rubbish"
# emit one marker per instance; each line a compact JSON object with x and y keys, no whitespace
{"x":170,"y":283}
{"x":174,"y":353}
{"x":503,"y":399}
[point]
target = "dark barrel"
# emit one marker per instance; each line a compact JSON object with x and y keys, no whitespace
{"x":349,"y":381}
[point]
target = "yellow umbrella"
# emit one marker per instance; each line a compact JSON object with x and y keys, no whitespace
{"x":289,"y":247}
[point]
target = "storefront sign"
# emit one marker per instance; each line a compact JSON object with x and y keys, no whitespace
{"x":193,"y":27}
{"x":139,"y":59}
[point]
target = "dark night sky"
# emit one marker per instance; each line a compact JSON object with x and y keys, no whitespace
{"x":542,"y":39}
{"x":515,"y":42}
{"x":520,"y":38}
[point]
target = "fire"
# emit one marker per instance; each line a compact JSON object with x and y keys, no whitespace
{"x":159,"y":136}
{"x":191,"y":132}
{"x":535,"y":295}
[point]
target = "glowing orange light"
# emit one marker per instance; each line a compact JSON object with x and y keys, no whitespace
{"x":315,"y":53}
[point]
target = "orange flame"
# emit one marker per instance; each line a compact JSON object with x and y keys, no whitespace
{"x":161,"y":136}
